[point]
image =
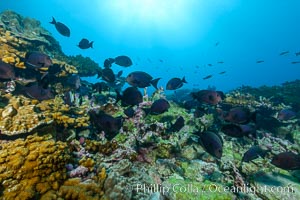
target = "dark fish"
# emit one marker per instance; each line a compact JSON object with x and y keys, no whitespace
{"x":159,"y":106}
{"x":253,"y":153}
{"x":217,"y":43}
{"x":223,"y":72}
{"x":260,"y":61}
{"x":238,"y":131}
{"x":37,"y":92}
{"x":267,"y":123}
{"x":110,"y":125}
{"x":287,"y":161}
{"x":7,"y":71}
{"x":37,"y":60}
{"x":178,"y":125}
{"x":108,"y":62}
{"x":283,"y":53}
{"x":207,"y":77}
{"x":84,"y":90}
{"x":85,"y":44}
{"x":108,"y":75}
{"x":175,"y":83}
{"x":295,"y":62}
{"x":100,"y":87}
{"x":131,"y":96}
{"x":73,"y":82}
{"x":141,"y":79}
{"x":54,"y":69}
{"x":220,"y":62}
{"x":232,"y":130}
{"x":129,"y":112}
{"x":209,"y":65}
{"x":238,"y":115}
{"x":61,"y":28}
{"x":189,"y":104}
{"x":297,"y":53}
{"x":160,"y":60}
{"x":212,"y":142}
{"x":286,"y":114}
{"x":123,"y":61}
{"x":208,"y":96}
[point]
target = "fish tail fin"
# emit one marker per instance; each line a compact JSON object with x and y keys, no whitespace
{"x":119,"y":96}
{"x":99,"y":74}
{"x":194,"y":95}
{"x":147,"y":111}
{"x":183,"y":80}
{"x":264,"y":153}
{"x":53,"y":21}
{"x":154,"y":82}
{"x":91,"y":44}
{"x":253,"y":116}
{"x":222,"y":95}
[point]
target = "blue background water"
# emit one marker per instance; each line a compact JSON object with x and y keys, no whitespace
{"x":183,"y":34}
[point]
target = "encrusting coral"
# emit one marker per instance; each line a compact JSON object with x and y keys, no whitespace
{"x":32,"y":166}
{"x":20,"y":117}
{"x":25,"y":116}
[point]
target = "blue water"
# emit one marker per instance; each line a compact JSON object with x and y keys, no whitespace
{"x":183,"y":34}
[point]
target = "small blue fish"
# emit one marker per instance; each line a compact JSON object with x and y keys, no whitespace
{"x":207,"y":77}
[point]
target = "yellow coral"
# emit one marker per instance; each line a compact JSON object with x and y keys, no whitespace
{"x":74,"y":189}
{"x":10,"y":60}
{"x":87,"y":162}
{"x":66,"y":68}
{"x":102,"y":174}
{"x":36,"y":164}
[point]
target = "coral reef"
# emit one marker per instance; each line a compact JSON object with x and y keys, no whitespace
{"x":287,"y":93}
{"x":84,"y":65}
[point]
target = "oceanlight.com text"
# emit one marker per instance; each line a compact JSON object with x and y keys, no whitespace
{"x":212,"y":188}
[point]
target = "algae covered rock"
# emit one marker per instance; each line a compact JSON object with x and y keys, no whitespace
{"x":276,"y":186}
{"x":179,"y":188}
